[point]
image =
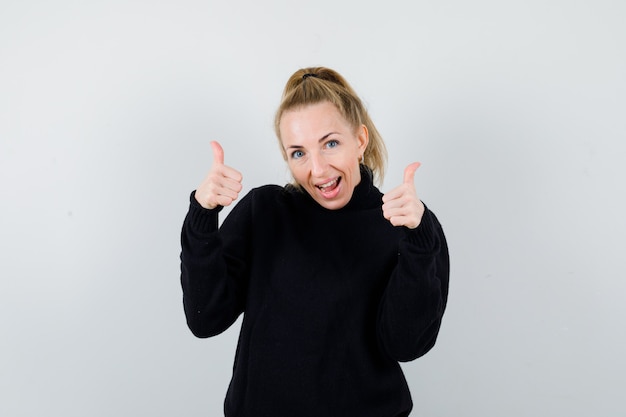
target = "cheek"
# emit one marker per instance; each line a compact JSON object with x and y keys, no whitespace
{"x":352,"y":163}
{"x":298,"y":170}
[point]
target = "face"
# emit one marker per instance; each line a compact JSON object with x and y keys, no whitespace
{"x":323,"y":152}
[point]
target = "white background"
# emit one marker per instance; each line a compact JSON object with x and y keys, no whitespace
{"x":516,"y":109}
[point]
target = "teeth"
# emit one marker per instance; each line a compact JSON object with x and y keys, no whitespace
{"x":328,"y":184}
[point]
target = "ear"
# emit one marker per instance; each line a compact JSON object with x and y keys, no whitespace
{"x":362,"y":136}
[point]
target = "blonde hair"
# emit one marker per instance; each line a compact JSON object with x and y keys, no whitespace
{"x":314,"y":85}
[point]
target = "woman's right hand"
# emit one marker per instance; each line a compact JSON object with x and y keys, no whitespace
{"x":222,"y":184}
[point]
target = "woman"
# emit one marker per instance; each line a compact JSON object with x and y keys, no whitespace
{"x":337,"y":282}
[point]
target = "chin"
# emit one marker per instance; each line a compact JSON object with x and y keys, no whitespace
{"x":334,"y":204}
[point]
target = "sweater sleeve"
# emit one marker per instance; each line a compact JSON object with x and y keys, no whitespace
{"x":414,"y":301}
{"x":213,"y":268}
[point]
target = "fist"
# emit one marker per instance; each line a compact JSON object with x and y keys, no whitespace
{"x":401,"y":206}
{"x":222,"y":184}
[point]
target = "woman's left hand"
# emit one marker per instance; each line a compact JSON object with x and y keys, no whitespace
{"x":401,"y":205}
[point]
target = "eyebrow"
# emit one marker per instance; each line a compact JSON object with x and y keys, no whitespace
{"x":322,"y":139}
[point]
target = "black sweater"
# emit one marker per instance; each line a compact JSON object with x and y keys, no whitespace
{"x":332,"y":300}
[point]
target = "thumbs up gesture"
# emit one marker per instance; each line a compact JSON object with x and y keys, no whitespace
{"x":401,"y":205}
{"x":222,"y":184}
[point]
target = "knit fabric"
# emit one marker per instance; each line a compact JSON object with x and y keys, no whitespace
{"x":333,"y":300}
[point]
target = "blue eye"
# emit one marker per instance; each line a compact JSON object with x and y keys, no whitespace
{"x":332,"y":144}
{"x":297,"y":154}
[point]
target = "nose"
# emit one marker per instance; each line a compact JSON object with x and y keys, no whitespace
{"x":319,"y":165}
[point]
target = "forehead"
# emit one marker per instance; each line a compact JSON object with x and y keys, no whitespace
{"x":311,"y":120}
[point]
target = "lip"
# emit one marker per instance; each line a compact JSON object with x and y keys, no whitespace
{"x":329,"y":194}
{"x":320,"y":185}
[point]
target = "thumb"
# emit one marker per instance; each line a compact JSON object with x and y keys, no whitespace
{"x":409,"y":172}
{"x":218,"y":153}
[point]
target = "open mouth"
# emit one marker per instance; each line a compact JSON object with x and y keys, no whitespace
{"x":330,"y":186}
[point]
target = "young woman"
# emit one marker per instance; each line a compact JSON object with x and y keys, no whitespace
{"x":337,"y":282}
